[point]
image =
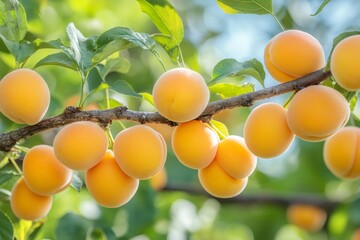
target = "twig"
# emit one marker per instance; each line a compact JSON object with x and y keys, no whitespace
{"x":105,"y":117}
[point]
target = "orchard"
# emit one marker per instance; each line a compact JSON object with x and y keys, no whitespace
{"x":168,"y":119}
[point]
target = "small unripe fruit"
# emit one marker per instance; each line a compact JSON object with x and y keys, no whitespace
{"x":345,"y":63}
{"x":342,"y":153}
{"x":266,"y":131}
{"x":234,"y":157}
{"x":317,"y":112}
{"x":218,"y":183}
{"x":28,"y":205}
{"x":44,"y":174}
{"x":140,"y":151}
{"x":194,"y":144}
{"x":307,"y":217}
{"x":292,"y":54}
{"x":24,"y":96}
{"x":180,"y":94}
{"x":80,"y":145}
{"x":108,"y":184}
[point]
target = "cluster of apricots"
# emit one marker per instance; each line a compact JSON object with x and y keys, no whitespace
{"x":181,"y":95}
{"x":112,"y":176}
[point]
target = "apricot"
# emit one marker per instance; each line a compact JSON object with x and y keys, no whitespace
{"x":345,"y":63}
{"x":218,"y":183}
{"x":180,"y":94}
{"x":307,"y":217}
{"x":140,"y":151}
{"x":194,"y":144}
{"x":317,"y":112}
{"x":24,"y":96}
{"x":234,"y":157}
{"x":28,"y":205}
{"x":342,"y":153}
{"x":52,"y":178}
{"x":266,"y":131}
{"x":165,"y":130}
{"x":80,"y":145}
{"x":159,"y":180}
{"x":356,"y":235}
{"x":292,"y":54}
{"x":108,"y":184}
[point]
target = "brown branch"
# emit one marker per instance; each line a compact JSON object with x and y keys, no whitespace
{"x":105,"y":117}
{"x":264,"y":198}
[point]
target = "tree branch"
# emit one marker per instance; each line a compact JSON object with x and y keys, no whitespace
{"x":254,"y":199}
{"x":105,"y":117}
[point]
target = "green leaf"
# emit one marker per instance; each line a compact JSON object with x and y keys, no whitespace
{"x":220,"y":127}
{"x":141,"y":210}
{"x":7,"y":175}
{"x":120,"y":65}
{"x":323,"y":4}
{"x":59,"y":59}
{"x":246,"y":6}
{"x":95,"y":78}
{"x":227,"y":90}
{"x":353,"y":102}
{"x":148,"y":97}
{"x":81,"y":49}
{"x":232,"y":68}
{"x":120,"y":86}
{"x":72,"y":227}
{"x":120,"y":38}
{"x":13,"y":23}
{"x":338,"y":39}
{"x":76,"y":183}
{"x":167,"y":21}
{"x":6,"y":229}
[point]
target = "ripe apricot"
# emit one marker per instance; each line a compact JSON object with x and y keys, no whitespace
{"x":234,"y":157}
{"x":307,"y":217}
{"x":345,"y":63}
{"x":292,"y":54}
{"x":140,"y":151}
{"x":80,"y":145}
{"x":317,"y":112}
{"x":108,"y":184}
{"x":24,"y":96}
{"x":28,"y":205}
{"x":266,"y":131}
{"x":342,"y":153}
{"x":218,"y":183}
{"x":195,"y":144}
{"x":165,"y":130}
{"x":159,"y":180}
{"x":356,"y":235}
{"x":180,"y":94}
{"x":52,"y":178}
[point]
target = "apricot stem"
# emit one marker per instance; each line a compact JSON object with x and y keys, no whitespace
{"x":110,"y":137}
{"x":12,"y":160}
{"x":286,"y":103}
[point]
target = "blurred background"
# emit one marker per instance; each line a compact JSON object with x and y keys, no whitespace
{"x":183,"y":210}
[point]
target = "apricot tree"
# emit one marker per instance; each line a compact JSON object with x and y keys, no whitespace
{"x":116,"y":153}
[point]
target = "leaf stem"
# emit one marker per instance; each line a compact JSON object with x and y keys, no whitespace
{"x":286,"y":103}
{"x":107,"y":96}
{"x":158,"y":58}
{"x":110,"y":137}
{"x":278,"y":22}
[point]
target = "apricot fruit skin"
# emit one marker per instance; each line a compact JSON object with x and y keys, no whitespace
{"x":317,"y":112}
{"x":140,"y":151}
{"x":80,"y":145}
{"x":108,"y":184}
{"x":307,"y":217}
{"x":43,"y":173}
{"x":159,"y":180}
{"x":266,"y":131}
{"x":342,"y":153}
{"x":292,"y":54}
{"x":194,"y":144}
{"x":28,"y":205}
{"x":218,"y":183}
{"x":24,"y":96}
{"x":180,"y":94}
{"x":234,"y":157}
{"x":345,"y":63}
